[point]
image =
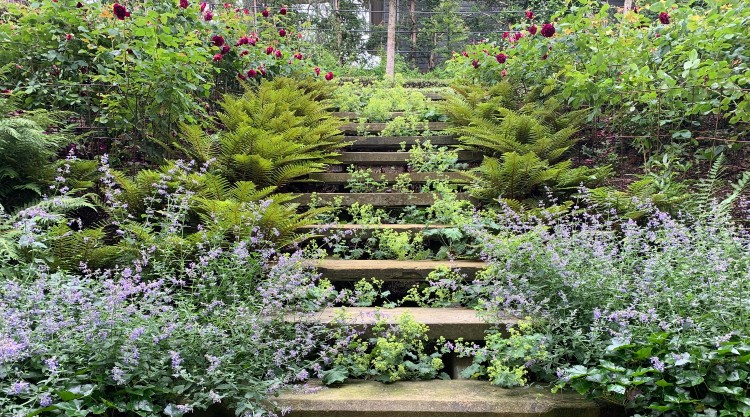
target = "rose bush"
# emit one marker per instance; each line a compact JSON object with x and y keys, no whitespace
{"x":139,"y":69}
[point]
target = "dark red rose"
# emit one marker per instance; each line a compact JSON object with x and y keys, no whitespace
{"x":529,"y":14}
{"x":282,"y":10}
{"x":241,"y":76}
{"x":298,"y":55}
{"x":518,"y":36}
{"x":475,"y":63}
{"x":217,"y":40}
{"x":532,"y":29}
{"x":501,"y":58}
{"x":544,"y":57}
{"x":279,"y":54}
{"x":209,"y":16}
{"x":548,"y":30}
{"x":265,"y":13}
{"x":246,"y":11}
{"x":120,"y":11}
{"x":242,"y":41}
{"x":225,"y":49}
{"x":252,"y":73}
{"x":68,"y":36}
{"x":245,"y":52}
{"x":282,"y":32}
{"x":269,"y":50}
{"x":317,"y":71}
{"x":203,"y":6}
{"x":664,"y":18}
{"x":218,"y":57}
{"x":506,"y":35}
{"x":329,"y":76}
{"x":504,"y":73}
{"x":262,"y":71}
{"x":7,"y":92}
{"x":184,"y":4}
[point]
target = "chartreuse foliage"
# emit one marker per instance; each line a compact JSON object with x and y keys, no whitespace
{"x":395,"y":353}
{"x":523,"y":146}
{"x":274,"y":133}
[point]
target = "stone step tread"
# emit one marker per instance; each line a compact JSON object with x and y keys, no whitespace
{"x":391,"y":270}
{"x":379,"y":127}
{"x":355,"y":115}
{"x":394,"y":142}
{"x":394,"y":158}
{"x":436,"y":398}
{"x":391,"y":177}
{"x":397,"y":227}
{"x":376,"y":199}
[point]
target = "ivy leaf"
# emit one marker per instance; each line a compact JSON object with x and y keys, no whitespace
{"x":335,"y":376}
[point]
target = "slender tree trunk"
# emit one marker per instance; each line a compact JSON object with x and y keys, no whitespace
{"x":628,"y":5}
{"x":390,"y":45}
{"x":412,"y":12}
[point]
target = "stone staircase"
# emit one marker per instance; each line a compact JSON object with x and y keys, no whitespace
{"x":435,"y":398}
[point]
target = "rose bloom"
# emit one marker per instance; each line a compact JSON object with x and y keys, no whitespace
{"x":548,"y":30}
{"x":329,"y":76}
{"x":501,"y":58}
{"x":664,"y":18}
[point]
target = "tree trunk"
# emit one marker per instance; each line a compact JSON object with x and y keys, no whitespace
{"x":390,"y":45}
{"x":628,"y":5}
{"x":412,"y":10}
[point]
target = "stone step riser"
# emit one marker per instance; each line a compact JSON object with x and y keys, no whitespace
{"x":379,"y":127}
{"x":371,"y":143}
{"x":436,"y":399}
{"x":389,"y":270}
{"x":394,"y":158}
{"x":391,"y":177}
{"x":376,"y":199}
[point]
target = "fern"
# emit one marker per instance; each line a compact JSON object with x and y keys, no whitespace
{"x":272,"y":135}
{"x":29,"y":142}
{"x":524,"y":144}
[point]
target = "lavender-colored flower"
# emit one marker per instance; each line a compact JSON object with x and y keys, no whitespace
{"x":657,"y":364}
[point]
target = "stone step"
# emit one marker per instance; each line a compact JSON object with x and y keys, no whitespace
{"x":328,"y":229}
{"x":355,"y":115}
{"x":391,"y":270}
{"x":394,"y":142}
{"x":391,"y":177}
{"x":450,"y":323}
{"x":436,"y":398}
{"x":376,"y":199}
{"x":394,"y":158}
{"x":379,"y":127}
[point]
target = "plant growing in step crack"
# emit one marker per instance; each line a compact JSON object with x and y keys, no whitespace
{"x":362,"y":181}
{"x":506,"y":360}
{"x":402,"y":184}
{"x":396,"y":352}
{"x":409,"y":125}
{"x":366,"y":292}
{"x":425,"y":157}
{"x":445,"y":287}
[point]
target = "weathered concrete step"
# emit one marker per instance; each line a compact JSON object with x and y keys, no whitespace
{"x":437,"y":398}
{"x":376,"y":199}
{"x":450,"y":323}
{"x":395,"y":158}
{"x":355,"y":115}
{"x":391,"y":177}
{"x":379,"y":127}
{"x":391,"y":270}
{"x":328,"y":229}
{"x":394,"y":142}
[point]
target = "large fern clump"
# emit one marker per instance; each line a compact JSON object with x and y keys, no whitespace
{"x":524,"y":144}
{"x":276,"y":132}
{"x":29,"y":142}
